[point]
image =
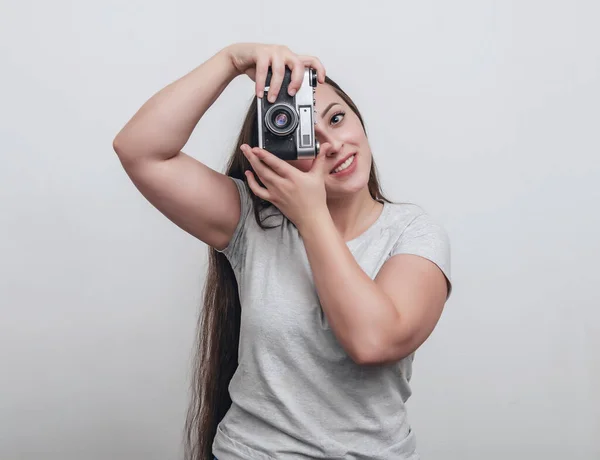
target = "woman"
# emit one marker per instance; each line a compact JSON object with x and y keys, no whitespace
{"x":319,"y":289}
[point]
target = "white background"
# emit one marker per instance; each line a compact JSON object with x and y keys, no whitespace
{"x":485,"y":113}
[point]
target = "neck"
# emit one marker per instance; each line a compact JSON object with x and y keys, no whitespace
{"x":354,"y":214}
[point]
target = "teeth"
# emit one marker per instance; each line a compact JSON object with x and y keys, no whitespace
{"x":344,"y":165}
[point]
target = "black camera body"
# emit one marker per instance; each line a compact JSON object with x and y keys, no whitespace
{"x":286,"y":128}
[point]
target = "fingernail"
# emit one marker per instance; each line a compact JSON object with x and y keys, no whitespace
{"x":292,"y":91}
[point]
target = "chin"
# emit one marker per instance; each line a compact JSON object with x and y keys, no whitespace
{"x":352,"y":185}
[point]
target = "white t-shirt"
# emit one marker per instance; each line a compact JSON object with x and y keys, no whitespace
{"x":296,"y":393}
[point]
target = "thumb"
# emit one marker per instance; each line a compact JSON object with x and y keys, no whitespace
{"x":320,"y":165}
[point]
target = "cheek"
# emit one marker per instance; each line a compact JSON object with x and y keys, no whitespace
{"x":302,"y":165}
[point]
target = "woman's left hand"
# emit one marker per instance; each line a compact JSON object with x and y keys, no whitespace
{"x":299,"y":195}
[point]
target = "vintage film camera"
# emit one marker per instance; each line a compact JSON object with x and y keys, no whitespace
{"x":286,"y":128}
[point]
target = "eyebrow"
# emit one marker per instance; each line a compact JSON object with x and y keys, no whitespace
{"x":328,"y":107}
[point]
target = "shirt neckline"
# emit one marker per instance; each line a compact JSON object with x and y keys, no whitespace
{"x":373,"y":226}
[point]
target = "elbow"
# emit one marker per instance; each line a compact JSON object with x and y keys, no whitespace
{"x":123,"y":152}
{"x":364,"y":356}
{"x":366,"y":351}
{"x":378,"y":352}
{"x":117,"y":145}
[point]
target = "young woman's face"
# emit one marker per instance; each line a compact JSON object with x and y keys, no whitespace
{"x":338,"y":125}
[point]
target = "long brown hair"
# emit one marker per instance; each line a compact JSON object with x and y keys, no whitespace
{"x":219,"y":323}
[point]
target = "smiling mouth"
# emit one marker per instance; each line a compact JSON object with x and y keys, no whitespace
{"x":344,"y":165}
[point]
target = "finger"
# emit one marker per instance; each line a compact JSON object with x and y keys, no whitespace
{"x":275,"y":163}
{"x":320,"y":165}
{"x":259,"y":191}
{"x":251,"y":72}
{"x":297,"y":67}
{"x":316,"y":64}
{"x":262,"y":67}
{"x":264,"y":172}
{"x":278,"y":68}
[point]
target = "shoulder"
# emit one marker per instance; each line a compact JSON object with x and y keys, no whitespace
{"x":416,"y":231}
{"x":398,"y":214}
{"x":407,"y":219}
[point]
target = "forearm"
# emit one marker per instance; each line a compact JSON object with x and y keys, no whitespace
{"x":358,"y":311}
{"x":164,"y":124}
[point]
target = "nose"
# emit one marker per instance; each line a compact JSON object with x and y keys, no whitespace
{"x":328,"y":144}
{"x":328,"y":149}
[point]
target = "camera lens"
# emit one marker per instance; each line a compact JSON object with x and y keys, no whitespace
{"x":281,"y":119}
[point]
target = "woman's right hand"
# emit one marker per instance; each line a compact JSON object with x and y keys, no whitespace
{"x":254,"y":59}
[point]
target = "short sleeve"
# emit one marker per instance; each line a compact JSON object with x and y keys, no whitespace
{"x":427,"y":238}
{"x":236,"y":248}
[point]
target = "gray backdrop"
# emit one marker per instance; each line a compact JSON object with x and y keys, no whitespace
{"x":485,"y":113}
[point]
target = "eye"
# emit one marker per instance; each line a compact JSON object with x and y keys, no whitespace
{"x":338,"y":114}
